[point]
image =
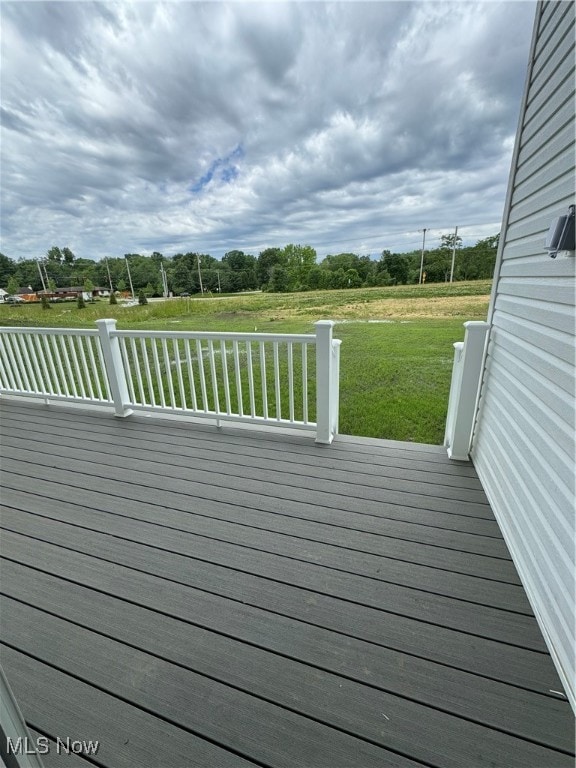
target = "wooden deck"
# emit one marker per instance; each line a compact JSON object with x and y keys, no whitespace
{"x":189,"y":596}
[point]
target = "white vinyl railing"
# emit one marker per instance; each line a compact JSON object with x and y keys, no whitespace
{"x":287,"y":380}
{"x":54,"y":363}
{"x":464,"y":390}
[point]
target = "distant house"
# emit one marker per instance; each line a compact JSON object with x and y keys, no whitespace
{"x":523,"y":443}
{"x":73,"y":291}
{"x":28,"y":294}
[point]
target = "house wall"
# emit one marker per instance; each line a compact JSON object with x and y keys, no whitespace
{"x":523,"y":444}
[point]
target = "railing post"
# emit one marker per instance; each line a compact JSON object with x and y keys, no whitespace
{"x":114,"y":367}
{"x":464,"y":390}
{"x":325,"y":367}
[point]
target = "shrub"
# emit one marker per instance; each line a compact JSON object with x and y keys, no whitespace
{"x":45,"y":303}
{"x":80,"y":303}
{"x":142,"y":297}
{"x":113,"y":299}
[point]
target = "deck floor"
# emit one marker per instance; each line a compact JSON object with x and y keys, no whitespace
{"x":189,"y":596}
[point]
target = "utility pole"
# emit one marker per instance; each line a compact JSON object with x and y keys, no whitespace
{"x":453,"y":254}
{"x":129,"y":276}
{"x":218,"y":273}
{"x":41,"y":275}
{"x":164,"y":281}
{"x":200,"y":275}
{"x":109,"y":277}
{"x":422,"y":257}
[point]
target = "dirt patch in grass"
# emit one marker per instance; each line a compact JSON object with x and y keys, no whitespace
{"x":395,"y":308}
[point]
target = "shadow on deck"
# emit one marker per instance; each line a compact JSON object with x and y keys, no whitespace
{"x":189,"y":596}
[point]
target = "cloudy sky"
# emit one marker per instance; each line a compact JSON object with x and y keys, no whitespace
{"x":189,"y":126}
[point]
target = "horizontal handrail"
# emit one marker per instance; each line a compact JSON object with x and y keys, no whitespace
{"x":48,"y":331}
{"x":217,"y":336}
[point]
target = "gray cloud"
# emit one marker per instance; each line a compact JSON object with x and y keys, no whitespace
{"x":210,"y":126}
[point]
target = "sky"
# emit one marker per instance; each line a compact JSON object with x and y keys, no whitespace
{"x":132,"y":127}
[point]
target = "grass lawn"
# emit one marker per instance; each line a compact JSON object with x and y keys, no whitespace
{"x":394,"y":375}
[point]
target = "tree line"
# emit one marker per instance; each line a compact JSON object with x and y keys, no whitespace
{"x":292,"y":268}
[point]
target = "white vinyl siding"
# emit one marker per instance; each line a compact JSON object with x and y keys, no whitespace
{"x":523,"y":445}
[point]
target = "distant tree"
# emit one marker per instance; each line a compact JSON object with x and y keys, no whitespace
{"x":267,"y":260}
{"x":12,"y":286}
{"x":113,"y":299}
{"x":279,"y":279}
{"x":353,"y":279}
{"x":396,"y":265}
{"x":51,"y":284}
{"x":54,"y":254}
{"x":45,"y":303}
{"x":80,"y":303}
{"x":181,"y":278}
{"x":7,"y":269}
{"x":142,"y":297}
{"x":89,"y":288}
{"x":299,"y":260}
{"x":67,"y":255}
{"x":447,"y":241}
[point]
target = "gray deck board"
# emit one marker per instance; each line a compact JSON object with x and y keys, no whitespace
{"x":255,"y":573}
{"x":258,"y":667}
{"x":409,"y":521}
{"x":263,"y":549}
{"x":291,"y":487}
{"x":231,"y":716}
{"x":202,"y":451}
{"x":265,"y":615}
{"x":469,"y":554}
{"x":211,"y":597}
{"x":66,"y":706}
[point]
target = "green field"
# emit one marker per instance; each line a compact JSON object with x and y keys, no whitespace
{"x":396,"y":354}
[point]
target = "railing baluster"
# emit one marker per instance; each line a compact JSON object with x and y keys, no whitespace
{"x":86,"y":369}
{"x":190,"y":370}
{"x":49,"y":352}
{"x":168,"y":369}
{"x":72,"y":345}
{"x":148,"y":373}
{"x":225,"y":376}
{"x":57,"y":352}
{"x":305,"y":383}
{"x":156,"y":362}
{"x":69,"y":378}
{"x":277,"y":381}
{"x":96,"y":372}
{"x":136,"y":364}
{"x":4,"y":378}
{"x":200,"y":360}
{"x":213,"y":375}
{"x":102,"y":363}
{"x":20,"y":367}
{"x":238,"y":377}
{"x":251,"y":379}
{"x":290,"y":381}
{"x":7,"y":355}
{"x":127,"y":368}
{"x":45,"y":372}
{"x":264,"y":383}
{"x":178,"y":363}
{"x":35,"y":375}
